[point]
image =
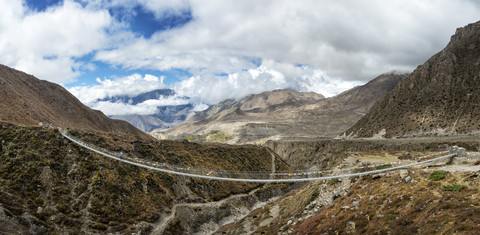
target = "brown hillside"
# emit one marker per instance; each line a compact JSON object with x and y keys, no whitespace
{"x":25,"y":99}
{"x":49,"y":185}
{"x":361,"y":98}
{"x":440,"y":97}
{"x":286,"y":114}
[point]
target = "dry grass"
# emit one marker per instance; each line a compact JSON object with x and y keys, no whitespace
{"x":400,"y":208}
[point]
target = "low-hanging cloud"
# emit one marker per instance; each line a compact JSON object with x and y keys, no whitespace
{"x":147,"y":107}
{"x":132,"y":85}
{"x":129,"y":86}
{"x":204,"y":90}
{"x":269,"y":76}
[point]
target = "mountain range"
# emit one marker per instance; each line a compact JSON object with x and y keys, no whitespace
{"x":49,"y":185}
{"x":284,"y":113}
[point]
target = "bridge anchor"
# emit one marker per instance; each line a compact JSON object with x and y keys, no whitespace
{"x":459,"y":151}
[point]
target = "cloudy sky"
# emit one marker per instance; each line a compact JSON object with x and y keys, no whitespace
{"x":210,"y":50}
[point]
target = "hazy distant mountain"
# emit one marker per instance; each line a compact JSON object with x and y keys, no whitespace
{"x":155,"y":94}
{"x":285,"y":114}
{"x":440,"y":97}
{"x":166,"y":116}
{"x":25,"y":99}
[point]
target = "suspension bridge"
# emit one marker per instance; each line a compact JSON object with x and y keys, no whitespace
{"x":258,"y":176}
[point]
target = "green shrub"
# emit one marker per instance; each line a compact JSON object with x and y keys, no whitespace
{"x":333,"y":181}
{"x":121,"y":171}
{"x":437,"y":175}
{"x":453,"y":187}
{"x":313,"y":196}
{"x":174,"y":227}
{"x":379,"y":167}
{"x":390,"y":217}
{"x":98,"y":226}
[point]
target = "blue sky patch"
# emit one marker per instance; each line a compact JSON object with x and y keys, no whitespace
{"x":144,"y":22}
{"x":257,"y":61}
{"x":42,"y":5}
{"x":103,"y":71}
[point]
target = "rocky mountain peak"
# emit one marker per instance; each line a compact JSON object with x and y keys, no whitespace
{"x":466,"y":31}
{"x":440,"y":97}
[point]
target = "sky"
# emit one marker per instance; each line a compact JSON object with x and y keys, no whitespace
{"x":211,"y":50}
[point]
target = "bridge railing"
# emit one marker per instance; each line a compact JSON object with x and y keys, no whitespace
{"x":262,"y":176}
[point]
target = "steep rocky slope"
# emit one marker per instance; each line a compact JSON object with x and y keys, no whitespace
{"x":50,"y":185}
{"x":438,"y":200}
{"x":440,"y":97}
{"x":361,"y":98}
{"x":25,"y":99}
{"x":284,"y":114}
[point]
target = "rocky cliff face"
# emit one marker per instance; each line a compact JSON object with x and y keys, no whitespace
{"x":440,"y":97}
{"x":25,"y":99}
{"x":285,"y":114}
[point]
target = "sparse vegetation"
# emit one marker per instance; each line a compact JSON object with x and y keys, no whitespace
{"x":437,"y":175}
{"x":212,"y":137}
{"x":390,"y":217}
{"x":379,"y":167}
{"x":41,"y":169}
{"x":312,"y":197}
{"x":333,"y":181}
{"x":453,"y":187}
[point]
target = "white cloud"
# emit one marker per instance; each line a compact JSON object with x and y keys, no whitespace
{"x":47,"y":43}
{"x":340,"y":44}
{"x":204,"y":90}
{"x":147,"y":107}
{"x":200,"y":107}
{"x":348,"y":40}
{"x":269,"y":76}
{"x":130,"y":85}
